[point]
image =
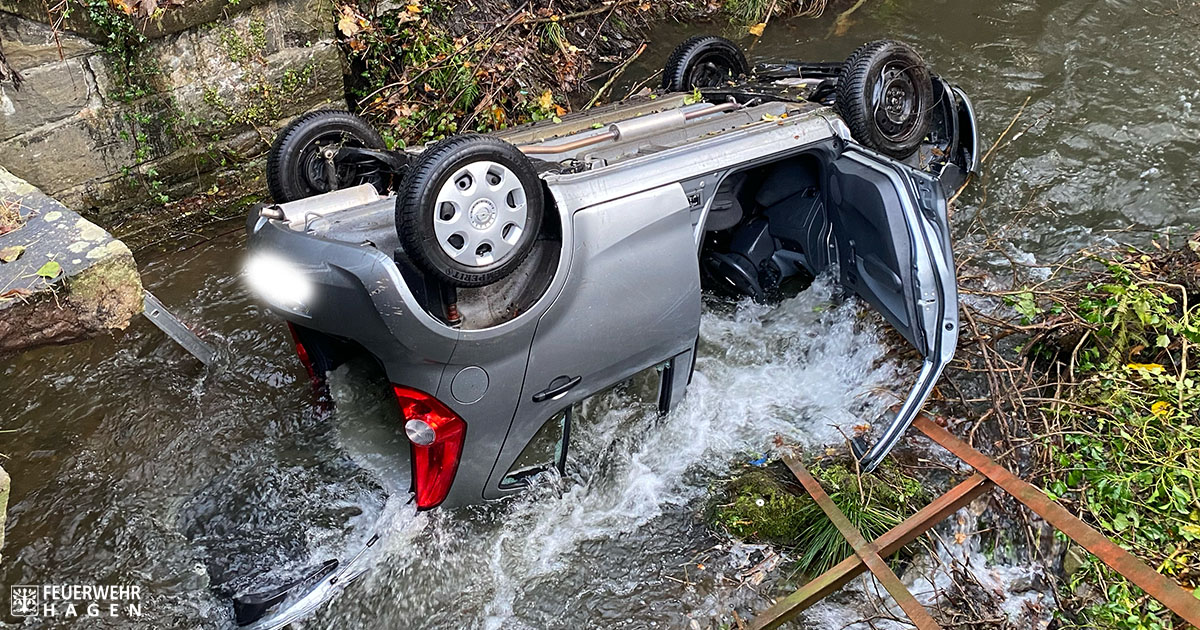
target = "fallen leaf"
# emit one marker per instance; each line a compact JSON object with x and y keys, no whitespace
{"x":50,"y":270}
{"x":15,"y":293}
{"x":348,"y":22}
{"x":558,"y":109}
{"x":11,"y":253}
{"x":959,"y":538}
{"x":757,"y":29}
{"x":1153,"y":368}
{"x":414,"y":7}
{"x":861,"y":429}
{"x":546,"y":100}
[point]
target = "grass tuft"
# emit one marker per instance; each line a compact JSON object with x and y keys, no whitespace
{"x":768,"y":505}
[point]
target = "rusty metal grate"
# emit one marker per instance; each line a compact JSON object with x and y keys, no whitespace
{"x":869,"y":556}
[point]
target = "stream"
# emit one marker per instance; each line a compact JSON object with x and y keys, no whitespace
{"x":134,"y":464}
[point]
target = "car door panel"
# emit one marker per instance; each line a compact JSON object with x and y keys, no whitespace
{"x":634,"y":261}
{"x":889,"y":224}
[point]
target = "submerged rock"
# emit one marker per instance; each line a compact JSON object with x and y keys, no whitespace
{"x":62,"y":278}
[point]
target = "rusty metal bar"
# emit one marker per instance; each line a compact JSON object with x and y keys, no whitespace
{"x":1157,"y":585}
{"x":886,"y":545}
{"x":864,"y":550}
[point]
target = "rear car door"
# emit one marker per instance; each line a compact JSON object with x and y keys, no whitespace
{"x":631,"y":300}
{"x":893,"y":247}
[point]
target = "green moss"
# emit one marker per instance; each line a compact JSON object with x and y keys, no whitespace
{"x":241,"y":48}
{"x":111,"y":289}
{"x":768,"y":505}
{"x":266,"y":99}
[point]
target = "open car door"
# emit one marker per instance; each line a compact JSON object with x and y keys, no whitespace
{"x":893,"y":248}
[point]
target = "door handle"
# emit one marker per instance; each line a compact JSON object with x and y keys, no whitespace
{"x":554,"y":391}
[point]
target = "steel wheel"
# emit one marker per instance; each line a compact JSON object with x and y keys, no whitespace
{"x":895,"y":100}
{"x":885,"y":94}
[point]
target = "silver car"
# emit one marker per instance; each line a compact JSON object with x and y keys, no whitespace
{"x":499,"y":279}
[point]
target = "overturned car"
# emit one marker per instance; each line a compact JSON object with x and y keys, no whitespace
{"x":499,"y":279}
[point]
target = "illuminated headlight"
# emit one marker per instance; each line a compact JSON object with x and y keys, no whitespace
{"x":279,"y":282}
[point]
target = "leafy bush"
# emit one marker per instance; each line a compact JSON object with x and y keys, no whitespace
{"x":1124,"y":440}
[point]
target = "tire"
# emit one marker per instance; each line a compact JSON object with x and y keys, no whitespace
{"x":703,"y":61}
{"x":456,"y":231}
{"x":885,"y":94}
{"x":295,"y":168}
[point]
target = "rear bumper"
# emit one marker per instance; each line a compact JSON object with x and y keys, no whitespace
{"x":358,"y":294}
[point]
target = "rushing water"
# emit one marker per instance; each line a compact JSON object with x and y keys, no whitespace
{"x":133,"y":464}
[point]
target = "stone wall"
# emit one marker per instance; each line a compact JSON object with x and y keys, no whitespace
{"x":224,"y":75}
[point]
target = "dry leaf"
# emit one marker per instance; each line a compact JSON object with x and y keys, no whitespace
{"x":11,"y":253}
{"x":757,"y":29}
{"x":15,"y":293}
{"x":348,"y":22}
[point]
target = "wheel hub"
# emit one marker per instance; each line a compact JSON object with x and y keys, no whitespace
{"x":483,"y":214}
{"x":896,"y":106}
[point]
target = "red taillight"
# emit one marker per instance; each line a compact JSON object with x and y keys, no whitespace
{"x":302,"y":351}
{"x":436,"y":437}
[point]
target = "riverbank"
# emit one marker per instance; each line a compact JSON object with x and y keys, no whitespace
{"x":1082,"y":380}
{"x":424,"y":70}
{"x":1092,"y":377}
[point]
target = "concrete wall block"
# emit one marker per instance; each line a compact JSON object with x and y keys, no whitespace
{"x":95,"y":287}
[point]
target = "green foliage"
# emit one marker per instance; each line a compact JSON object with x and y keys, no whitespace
{"x":241,"y":48}
{"x":1126,"y":453}
{"x":267,"y":101}
{"x":133,"y":70}
{"x":766,"y":504}
{"x":419,"y":75}
{"x":440,"y":73}
{"x":749,"y":11}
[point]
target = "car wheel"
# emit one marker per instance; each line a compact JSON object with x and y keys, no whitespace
{"x":703,"y":61}
{"x":469,"y":210}
{"x":301,"y":162}
{"x":885,"y":94}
